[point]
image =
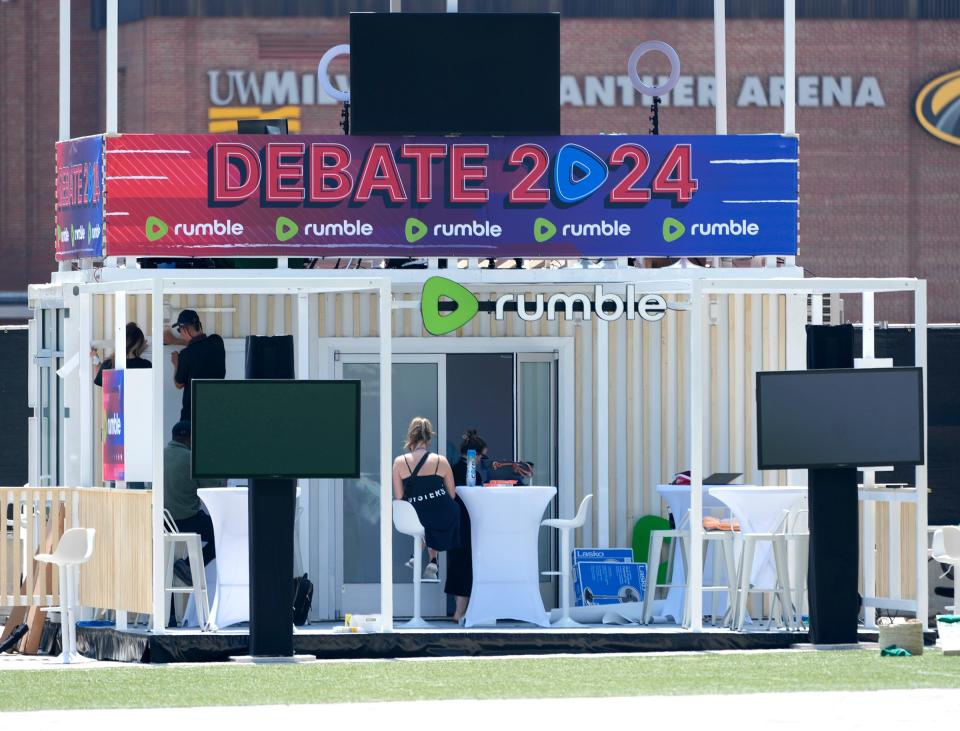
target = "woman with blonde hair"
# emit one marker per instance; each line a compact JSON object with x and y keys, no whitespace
{"x":425,"y":480}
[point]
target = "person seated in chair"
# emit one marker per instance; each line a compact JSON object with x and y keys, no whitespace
{"x":180,"y":497}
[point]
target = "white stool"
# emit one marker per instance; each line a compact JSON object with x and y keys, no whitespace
{"x":799,"y":537}
{"x":780,"y":591}
{"x":566,"y":527}
{"x":75,"y":548}
{"x":198,"y":578}
{"x":405,"y":520}
{"x":681,"y":542}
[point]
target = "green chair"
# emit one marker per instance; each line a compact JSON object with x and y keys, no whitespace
{"x":641,"y":544}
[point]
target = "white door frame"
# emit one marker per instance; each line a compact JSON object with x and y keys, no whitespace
{"x":323,"y":549}
{"x":368,"y":595}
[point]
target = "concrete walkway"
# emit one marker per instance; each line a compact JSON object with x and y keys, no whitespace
{"x":873,"y":710}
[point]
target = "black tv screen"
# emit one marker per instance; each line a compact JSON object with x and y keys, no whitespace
{"x":848,"y":417}
{"x":275,"y":428}
{"x":454,"y":73}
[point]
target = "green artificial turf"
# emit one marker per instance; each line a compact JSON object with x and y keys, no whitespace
{"x":331,"y":682}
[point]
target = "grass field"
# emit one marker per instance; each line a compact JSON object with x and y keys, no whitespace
{"x":331,"y":682}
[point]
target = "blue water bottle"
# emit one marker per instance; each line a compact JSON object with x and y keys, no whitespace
{"x":471,"y":467}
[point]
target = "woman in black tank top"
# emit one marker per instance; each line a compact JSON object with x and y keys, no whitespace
{"x":425,"y":480}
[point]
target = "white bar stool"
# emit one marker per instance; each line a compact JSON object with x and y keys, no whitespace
{"x":780,"y":591}
{"x":566,"y":527}
{"x":799,"y":537}
{"x":406,"y":521}
{"x":946,"y":549}
{"x":198,"y":578}
{"x":74,"y":549}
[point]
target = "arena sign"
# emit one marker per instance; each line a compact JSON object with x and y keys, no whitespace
{"x":230,"y":195}
{"x":242,"y":88}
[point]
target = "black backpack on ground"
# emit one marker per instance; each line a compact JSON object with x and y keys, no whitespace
{"x":302,"y":599}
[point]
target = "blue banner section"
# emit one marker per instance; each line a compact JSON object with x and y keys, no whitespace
{"x":79,"y":205}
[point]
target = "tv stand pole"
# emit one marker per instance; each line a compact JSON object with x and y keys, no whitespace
{"x":834,"y":556}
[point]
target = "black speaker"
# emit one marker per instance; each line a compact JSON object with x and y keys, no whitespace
{"x":269,"y":357}
{"x":833,"y":516}
{"x":271,"y":506}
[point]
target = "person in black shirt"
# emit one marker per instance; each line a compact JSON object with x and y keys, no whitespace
{"x":204,"y":357}
{"x":136,"y":344}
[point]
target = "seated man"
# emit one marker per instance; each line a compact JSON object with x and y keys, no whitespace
{"x":180,"y":495}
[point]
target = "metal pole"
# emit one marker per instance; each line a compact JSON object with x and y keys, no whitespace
{"x":64,"y":99}
{"x":394,"y":6}
{"x":385,"y":323}
{"x":112,"y":66}
{"x":156,"y":351}
{"x":920,"y":359}
{"x":698,"y":376}
{"x":602,"y":408}
{"x":789,"y":66}
{"x":720,"y":63}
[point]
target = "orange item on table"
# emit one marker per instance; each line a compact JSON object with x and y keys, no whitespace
{"x":711,"y":523}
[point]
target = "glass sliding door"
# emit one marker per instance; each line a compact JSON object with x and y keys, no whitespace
{"x":537,"y":443}
{"x":418,"y":390}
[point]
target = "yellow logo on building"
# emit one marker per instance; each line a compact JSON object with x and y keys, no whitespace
{"x":938,"y":107}
{"x":224,"y":119}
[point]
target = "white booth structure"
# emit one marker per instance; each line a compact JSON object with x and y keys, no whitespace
{"x":618,"y":407}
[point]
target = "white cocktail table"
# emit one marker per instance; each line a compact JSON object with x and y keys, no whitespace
{"x":504,"y":528}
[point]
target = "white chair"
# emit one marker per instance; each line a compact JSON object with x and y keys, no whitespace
{"x":946,"y":549}
{"x":566,"y":528}
{"x":74,"y":549}
{"x":780,"y":591}
{"x":680,"y":543}
{"x":798,"y":536}
{"x":198,"y":578}
{"x":406,"y":521}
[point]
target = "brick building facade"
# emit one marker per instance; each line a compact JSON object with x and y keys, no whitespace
{"x":879,"y":195}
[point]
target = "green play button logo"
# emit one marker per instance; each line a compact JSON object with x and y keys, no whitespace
{"x":437,"y":287}
{"x":155,"y":228}
{"x":286,"y":228}
{"x":672,"y":229}
{"x":414,"y":230}
{"x":543,"y":230}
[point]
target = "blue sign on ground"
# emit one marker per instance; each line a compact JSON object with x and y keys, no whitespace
{"x":619,"y":555}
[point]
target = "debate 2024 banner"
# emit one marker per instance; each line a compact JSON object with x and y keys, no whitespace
{"x":611,"y":195}
{"x":79,"y":201}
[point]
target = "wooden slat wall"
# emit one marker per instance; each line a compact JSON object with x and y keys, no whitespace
{"x":118,"y":576}
{"x":39,"y":514}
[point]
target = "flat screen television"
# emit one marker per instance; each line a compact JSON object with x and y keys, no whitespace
{"x":454,"y":73}
{"x":275,"y":428}
{"x":848,"y":417}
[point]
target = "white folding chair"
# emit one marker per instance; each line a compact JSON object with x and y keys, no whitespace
{"x":198,"y":578}
{"x":566,"y":527}
{"x":406,"y":521}
{"x":946,"y":549}
{"x":74,"y":549}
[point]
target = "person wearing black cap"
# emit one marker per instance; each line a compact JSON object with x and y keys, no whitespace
{"x":180,"y":492}
{"x":204,"y":357}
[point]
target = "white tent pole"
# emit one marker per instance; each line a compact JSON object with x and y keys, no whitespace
{"x":698,"y":376}
{"x":602,"y":410}
{"x":385,"y":324}
{"x":920,"y":360}
{"x":720,"y":64}
{"x":789,"y":67}
{"x":112,"y":66}
{"x":159,"y":438}
{"x":64,"y":99}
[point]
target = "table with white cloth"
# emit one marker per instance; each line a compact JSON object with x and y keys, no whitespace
{"x":229,"y":573}
{"x":760,"y":509}
{"x":678,"y":500}
{"x":504,"y":531}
